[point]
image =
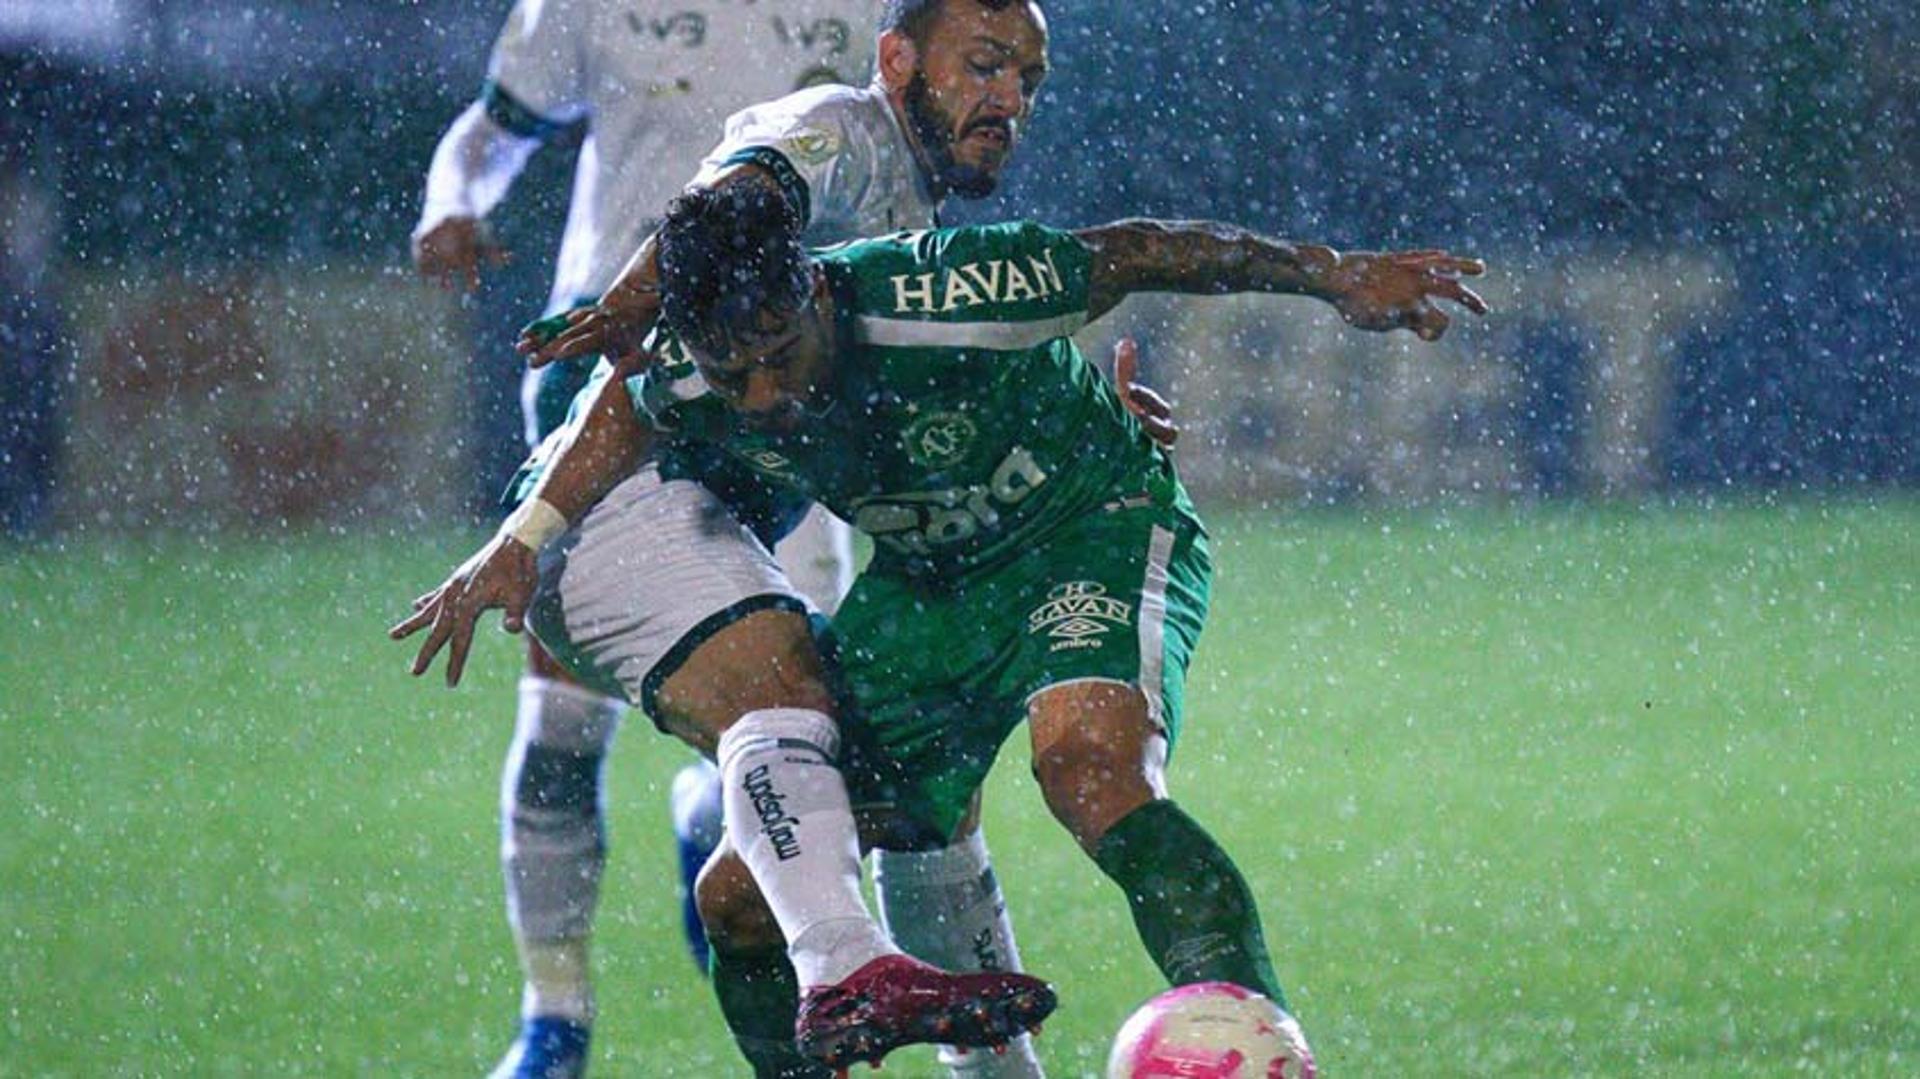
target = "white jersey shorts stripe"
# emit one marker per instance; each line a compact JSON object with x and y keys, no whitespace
{"x":999,"y":336}
{"x":655,"y":569}
{"x":1153,"y":624}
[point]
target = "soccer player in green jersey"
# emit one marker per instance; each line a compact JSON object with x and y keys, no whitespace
{"x":1036,"y":557}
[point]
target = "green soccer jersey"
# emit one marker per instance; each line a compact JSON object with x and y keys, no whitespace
{"x":964,"y":426}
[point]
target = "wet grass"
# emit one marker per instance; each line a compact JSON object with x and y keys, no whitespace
{"x":1523,"y":793}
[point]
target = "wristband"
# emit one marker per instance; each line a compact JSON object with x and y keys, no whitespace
{"x":533,"y":523}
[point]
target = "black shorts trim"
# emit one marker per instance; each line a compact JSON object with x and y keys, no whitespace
{"x":702,"y":632}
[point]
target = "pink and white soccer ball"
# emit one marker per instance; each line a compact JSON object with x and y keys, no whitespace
{"x":1212,"y":1030}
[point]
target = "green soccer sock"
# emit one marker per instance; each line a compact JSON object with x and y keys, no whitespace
{"x":1190,"y":904}
{"x":759,"y":997}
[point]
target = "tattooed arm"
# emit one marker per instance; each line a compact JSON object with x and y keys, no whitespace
{"x":1373,"y":291}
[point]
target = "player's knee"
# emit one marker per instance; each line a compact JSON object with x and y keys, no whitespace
{"x":736,"y":915}
{"x":766,"y":660}
{"x":1090,"y":781}
{"x":550,"y":782}
{"x":562,"y":715}
{"x":1078,"y":759}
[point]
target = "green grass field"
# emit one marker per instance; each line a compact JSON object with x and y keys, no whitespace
{"x":1552,"y":792}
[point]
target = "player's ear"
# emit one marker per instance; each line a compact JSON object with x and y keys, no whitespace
{"x":899,"y":59}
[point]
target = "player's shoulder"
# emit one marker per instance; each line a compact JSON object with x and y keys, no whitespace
{"x":812,"y":123}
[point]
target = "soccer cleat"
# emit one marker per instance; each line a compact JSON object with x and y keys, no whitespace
{"x":896,"y":1000}
{"x":546,"y":1049}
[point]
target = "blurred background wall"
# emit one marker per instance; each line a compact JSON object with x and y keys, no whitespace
{"x":1701,"y":220}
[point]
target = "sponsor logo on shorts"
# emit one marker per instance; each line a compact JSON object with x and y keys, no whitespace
{"x":939,"y":439}
{"x":1079,"y":614}
{"x":769,"y":806}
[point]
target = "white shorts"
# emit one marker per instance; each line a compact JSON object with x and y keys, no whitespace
{"x":655,"y":569}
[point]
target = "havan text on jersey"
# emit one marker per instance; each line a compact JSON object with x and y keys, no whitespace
{"x":972,"y":284}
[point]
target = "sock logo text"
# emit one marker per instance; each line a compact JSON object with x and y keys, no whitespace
{"x":774,"y":822}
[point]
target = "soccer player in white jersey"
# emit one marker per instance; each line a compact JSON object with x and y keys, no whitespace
{"x":942,"y":118}
{"x":652,"y":82}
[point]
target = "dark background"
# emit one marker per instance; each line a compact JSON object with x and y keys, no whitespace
{"x":1782,"y":137}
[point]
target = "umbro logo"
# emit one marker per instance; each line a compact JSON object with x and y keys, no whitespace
{"x":1078,"y":614}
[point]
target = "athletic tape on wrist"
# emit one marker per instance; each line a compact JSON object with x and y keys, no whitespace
{"x":533,"y":523}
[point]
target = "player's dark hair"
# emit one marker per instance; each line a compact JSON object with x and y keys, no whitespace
{"x":727,"y":254}
{"x":913,"y":17}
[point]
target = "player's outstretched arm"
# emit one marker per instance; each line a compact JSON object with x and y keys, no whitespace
{"x":1371,"y":290}
{"x":607,"y":444}
{"x":474,"y":164}
{"x":617,"y":325}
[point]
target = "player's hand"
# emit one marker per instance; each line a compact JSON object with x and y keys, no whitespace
{"x":500,"y":575}
{"x":1147,"y":406}
{"x":615,"y":329}
{"x":1397,"y":290}
{"x":451,"y":253}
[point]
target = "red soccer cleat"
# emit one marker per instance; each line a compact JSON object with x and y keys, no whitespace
{"x":897,"y":1000}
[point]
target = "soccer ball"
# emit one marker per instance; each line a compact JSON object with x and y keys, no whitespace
{"x":1212,"y":1030}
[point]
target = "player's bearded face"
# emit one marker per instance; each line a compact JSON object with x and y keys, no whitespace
{"x":966,"y":153}
{"x":972,"y":89}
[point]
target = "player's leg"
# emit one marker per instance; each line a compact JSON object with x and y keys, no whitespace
{"x":655,"y":577}
{"x":948,"y":911}
{"x":944,"y":906}
{"x":553,"y":835}
{"x":818,"y":558}
{"x":1103,"y":719}
{"x":660,"y":594}
{"x":758,"y":990}
{"x":790,"y":823}
{"x":1098,"y":757}
{"x":754,"y":693}
{"x":753,"y":979}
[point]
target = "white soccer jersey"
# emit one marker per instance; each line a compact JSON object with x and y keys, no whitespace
{"x":839,"y":153}
{"x":653,"y":81}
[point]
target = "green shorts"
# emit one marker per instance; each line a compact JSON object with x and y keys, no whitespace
{"x":940,"y":673}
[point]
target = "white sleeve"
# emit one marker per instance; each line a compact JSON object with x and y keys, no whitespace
{"x":537,"y":75}
{"x":805,"y":141}
{"x":472,"y":168}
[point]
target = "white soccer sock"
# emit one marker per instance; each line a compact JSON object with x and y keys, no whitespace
{"x":552,"y":840}
{"x":945,"y":907}
{"x":788,"y":816}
